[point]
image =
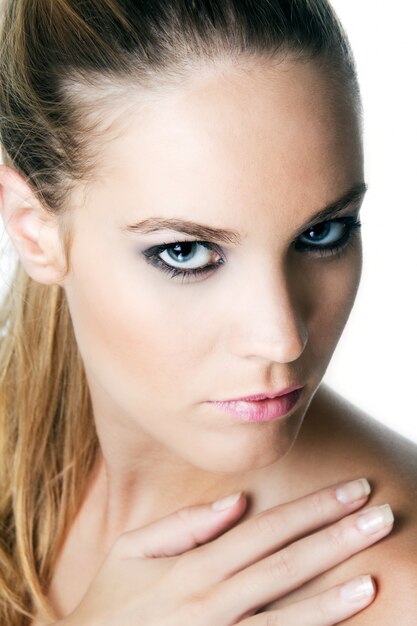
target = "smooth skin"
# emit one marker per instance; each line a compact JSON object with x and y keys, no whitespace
{"x":258,"y":149}
{"x":230,"y":578}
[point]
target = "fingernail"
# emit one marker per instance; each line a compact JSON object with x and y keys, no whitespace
{"x":358,"y":589}
{"x":226,"y":503}
{"x":374,"y":519}
{"x":353,"y":490}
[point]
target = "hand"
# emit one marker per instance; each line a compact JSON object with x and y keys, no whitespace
{"x":185,"y":570}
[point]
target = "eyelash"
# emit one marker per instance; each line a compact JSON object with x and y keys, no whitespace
{"x":351,"y":223}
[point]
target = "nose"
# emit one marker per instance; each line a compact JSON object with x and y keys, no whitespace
{"x":271,"y":320}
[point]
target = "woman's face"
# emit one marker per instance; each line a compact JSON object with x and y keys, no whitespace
{"x":259,"y":153}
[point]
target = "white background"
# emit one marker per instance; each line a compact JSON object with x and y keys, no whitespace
{"x":374,"y":364}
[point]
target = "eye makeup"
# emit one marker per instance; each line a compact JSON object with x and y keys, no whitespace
{"x":348,"y":225}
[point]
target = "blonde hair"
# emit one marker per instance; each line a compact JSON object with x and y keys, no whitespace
{"x":47,"y":440}
{"x":49,"y":48}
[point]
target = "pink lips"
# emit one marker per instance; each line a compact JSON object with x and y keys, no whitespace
{"x":262,"y":396}
{"x":260,"y":410}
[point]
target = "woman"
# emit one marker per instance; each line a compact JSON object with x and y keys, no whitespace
{"x":182,"y":184}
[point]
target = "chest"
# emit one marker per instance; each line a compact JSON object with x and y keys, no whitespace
{"x":76,"y":567}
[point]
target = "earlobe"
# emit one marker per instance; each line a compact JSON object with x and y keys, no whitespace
{"x":33,"y":230}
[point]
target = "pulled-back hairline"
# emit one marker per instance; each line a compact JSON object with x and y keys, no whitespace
{"x":92,"y":96}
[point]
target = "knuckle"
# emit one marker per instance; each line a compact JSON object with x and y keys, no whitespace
{"x":269,"y":524}
{"x":337,"y":537}
{"x":282,"y":564}
{"x":184,"y":516}
{"x":187,"y":521}
{"x":272,"y":618}
{"x":250,"y":585}
{"x":316,"y":503}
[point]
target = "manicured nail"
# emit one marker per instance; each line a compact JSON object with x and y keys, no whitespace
{"x":352,"y":491}
{"x":374,"y":519}
{"x":357,"y":589}
{"x":226,"y":503}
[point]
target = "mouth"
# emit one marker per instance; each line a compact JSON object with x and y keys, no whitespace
{"x":261,"y":410}
{"x":264,"y":396}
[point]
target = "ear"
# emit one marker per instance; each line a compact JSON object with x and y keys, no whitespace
{"x":32,"y":229}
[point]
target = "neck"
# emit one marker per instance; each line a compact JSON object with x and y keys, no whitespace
{"x":137,"y":481}
{"x":124,"y":499}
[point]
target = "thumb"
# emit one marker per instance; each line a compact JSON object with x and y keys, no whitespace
{"x":182,"y":530}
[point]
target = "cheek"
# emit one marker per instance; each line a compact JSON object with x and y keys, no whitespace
{"x":137,"y":330}
{"x":336,"y":289}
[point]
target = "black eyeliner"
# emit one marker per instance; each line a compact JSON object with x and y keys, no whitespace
{"x":351,"y":222}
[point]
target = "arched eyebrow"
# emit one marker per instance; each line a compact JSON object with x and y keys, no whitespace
{"x":354,"y":195}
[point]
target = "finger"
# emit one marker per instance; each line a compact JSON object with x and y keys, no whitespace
{"x":178,"y":532}
{"x":288,"y":569}
{"x":268,"y":531}
{"x":324,"y":609}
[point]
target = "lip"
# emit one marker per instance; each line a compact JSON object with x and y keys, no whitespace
{"x":262,"y":396}
{"x":261,"y":410}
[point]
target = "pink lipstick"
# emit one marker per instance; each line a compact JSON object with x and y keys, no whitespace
{"x":261,"y":410}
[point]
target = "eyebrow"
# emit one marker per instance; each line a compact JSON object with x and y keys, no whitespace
{"x":203,"y":232}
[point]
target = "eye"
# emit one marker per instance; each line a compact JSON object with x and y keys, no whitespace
{"x":185,"y":258}
{"x":190,"y":252}
{"x":327,"y":238}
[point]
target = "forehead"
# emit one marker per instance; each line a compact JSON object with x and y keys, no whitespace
{"x":273,"y":134}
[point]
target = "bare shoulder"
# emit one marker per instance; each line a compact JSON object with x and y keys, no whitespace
{"x":360,"y":441}
{"x":356,"y":444}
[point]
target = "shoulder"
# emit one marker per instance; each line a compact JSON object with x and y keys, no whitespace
{"x":359,"y":445}
{"x":360,"y":441}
